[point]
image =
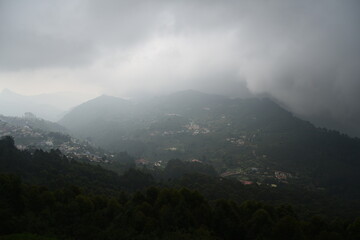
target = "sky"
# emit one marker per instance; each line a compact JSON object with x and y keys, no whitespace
{"x":305,"y":54}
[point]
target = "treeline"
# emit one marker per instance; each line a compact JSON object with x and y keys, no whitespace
{"x":46,"y":194}
{"x":156,"y":213}
{"x":54,"y":170}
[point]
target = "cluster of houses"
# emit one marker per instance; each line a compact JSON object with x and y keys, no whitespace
{"x":10,"y":130}
{"x":196,"y":129}
{"x":29,"y":138}
{"x":192,"y":128}
{"x":237,"y":141}
{"x":244,"y":176}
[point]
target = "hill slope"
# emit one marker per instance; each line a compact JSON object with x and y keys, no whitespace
{"x":250,"y":139}
{"x":70,"y":200}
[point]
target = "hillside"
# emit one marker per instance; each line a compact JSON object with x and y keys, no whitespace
{"x":32,"y":133}
{"x":55,"y":170}
{"x":97,"y":116}
{"x":253,"y":140}
{"x":30,"y":120}
{"x":46,"y":194}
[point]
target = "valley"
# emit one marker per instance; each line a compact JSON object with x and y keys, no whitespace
{"x":253,"y":141}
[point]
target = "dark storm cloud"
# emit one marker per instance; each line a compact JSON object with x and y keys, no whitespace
{"x":304,"y":53}
{"x":310,"y":56}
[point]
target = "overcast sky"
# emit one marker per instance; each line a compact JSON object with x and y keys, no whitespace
{"x":304,"y":53}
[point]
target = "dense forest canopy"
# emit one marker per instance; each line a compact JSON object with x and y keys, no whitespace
{"x":59,"y":198}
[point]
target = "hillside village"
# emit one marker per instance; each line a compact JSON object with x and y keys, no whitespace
{"x":27,"y":137}
{"x":247,"y":167}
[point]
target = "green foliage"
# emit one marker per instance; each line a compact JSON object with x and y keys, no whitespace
{"x":158,"y":213}
{"x":68,"y":200}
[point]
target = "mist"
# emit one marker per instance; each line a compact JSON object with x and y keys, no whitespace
{"x":305,"y":54}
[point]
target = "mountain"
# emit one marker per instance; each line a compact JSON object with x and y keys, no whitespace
{"x":96,"y":117}
{"x":47,"y":106}
{"x":13,"y":104}
{"x":62,"y":100}
{"x":253,"y":140}
{"x":103,"y":107}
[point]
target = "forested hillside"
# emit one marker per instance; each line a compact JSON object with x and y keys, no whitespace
{"x":45,"y":195}
{"x":253,"y":140}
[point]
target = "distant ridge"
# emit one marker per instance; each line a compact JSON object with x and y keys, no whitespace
{"x":251,"y":139}
{"x":13,"y":104}
{"x":50,"y":106}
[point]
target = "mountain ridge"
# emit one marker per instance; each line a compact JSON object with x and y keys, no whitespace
{"x":252,"y":140}
{"x":51,"y":106}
